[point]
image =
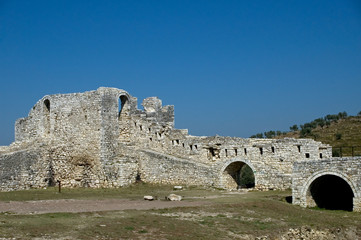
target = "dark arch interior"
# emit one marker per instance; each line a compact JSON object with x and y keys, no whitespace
{"x":123,"y":101}
{"x":242,"y":174}
{"x":332,"y":192}
{"x":47,"y":104}
{"x":46,"y":112}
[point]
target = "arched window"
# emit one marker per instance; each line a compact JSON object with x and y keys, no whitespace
{"x":46,"y":110}
{"x":123,"y":106}
{"x":47,"y":105}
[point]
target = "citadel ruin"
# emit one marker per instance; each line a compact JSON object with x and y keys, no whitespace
{"x":100,"y":139}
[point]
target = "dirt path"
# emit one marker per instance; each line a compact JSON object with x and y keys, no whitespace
{"x":72,"y":205}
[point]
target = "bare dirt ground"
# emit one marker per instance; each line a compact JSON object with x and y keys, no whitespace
{"x":74,"y":206}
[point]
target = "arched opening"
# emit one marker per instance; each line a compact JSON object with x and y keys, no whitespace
{"x":46,"y":110}
{"x":238,"y":175}
{"x":331,"y":192}
{"x":47,"y":105}
{"x":123,"y":118}
{"x":123,"y":106}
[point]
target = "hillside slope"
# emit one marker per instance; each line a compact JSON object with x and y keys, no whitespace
{"x":344,"y":133}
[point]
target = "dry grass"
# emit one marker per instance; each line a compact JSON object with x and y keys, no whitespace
{"x":228,"y":216}
{"x":348,"y":131}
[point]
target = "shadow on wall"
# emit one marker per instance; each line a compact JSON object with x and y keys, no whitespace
{"x":239,"y":175}
{"x":332,"y":192}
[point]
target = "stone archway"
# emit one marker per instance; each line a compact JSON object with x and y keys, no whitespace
{"x":331,"y":191}
{"x":237,"y":174}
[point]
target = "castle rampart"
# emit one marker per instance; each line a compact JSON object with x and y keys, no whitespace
{"x":101,"y":139}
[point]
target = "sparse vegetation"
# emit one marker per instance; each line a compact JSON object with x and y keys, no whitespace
{"x":226,"y":216}
{"x":294,"y":128}
{"x":338,"y":136}
{"x":306,"y":129}
{"x":340,"y":130}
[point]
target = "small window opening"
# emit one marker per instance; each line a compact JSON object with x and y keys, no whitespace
{"x":177,"y":141}
{"x":47,"y":116}
{"x":149,"y":129}
{"x":320,"y":155}
{"x":245,"y":151}
{"x":172,"y":142}
{"x":261,"y":150}
{"x":151,"y":139}
{"x":307,"y":155}
{"x":135,"y":124}
{"x":140,"y":127}
{"x":123,"y":105}
{"x":191,"y":147}
{"x":299,"y":148}
{"x":195,"y":146}
{"x":138,"y":178}
{"x":273,"y":149}
{"x":235,"y":151}
{"x":47,"y":104}
{"x":160,"y":135}
{"x":226,"y":152}
{"x":183,"y":144}
{"x":211,"y":151}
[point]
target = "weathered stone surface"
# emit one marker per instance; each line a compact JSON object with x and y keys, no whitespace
{"x":174,"y":197}
{"x":101,"y":139}
{"x":149,"y":198}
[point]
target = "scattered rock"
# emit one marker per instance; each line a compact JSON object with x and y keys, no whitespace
{"x":174,"y":197}
{"x":149,"y":198}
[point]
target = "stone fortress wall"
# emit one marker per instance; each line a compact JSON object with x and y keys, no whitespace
{"x":101,"y":139}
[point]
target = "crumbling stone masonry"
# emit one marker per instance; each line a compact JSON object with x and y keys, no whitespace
{"x":101,"y":139}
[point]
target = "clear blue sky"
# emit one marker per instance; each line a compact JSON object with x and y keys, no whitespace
{"x":232,"y":68}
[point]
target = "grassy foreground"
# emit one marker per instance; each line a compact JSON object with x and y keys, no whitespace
{"x":227,"y":216}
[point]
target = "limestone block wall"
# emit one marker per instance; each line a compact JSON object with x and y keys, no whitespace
{"x":306,"y":172}
{"x":101,"y":139}
{"x":23,"y":170}
{"x":272,"y":160}
{"x":167,"y":169}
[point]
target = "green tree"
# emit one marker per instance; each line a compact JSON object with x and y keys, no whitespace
{"x":342,"y":115}
{"x":338,"y":136}
{"x":306,"y":131}
{"x":247,"y":177}
{"x":270,"y":134}
{"x":258,"y":135}
{"x":294,"y":128}
{"x":328,"y":123}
